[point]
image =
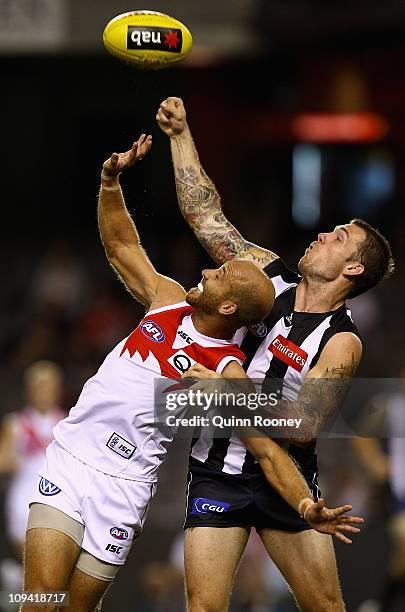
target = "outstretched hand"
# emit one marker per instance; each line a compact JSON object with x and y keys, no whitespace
{"x":171,"y":116}
{"x":119,"y":162}
{"x":332,"y":521}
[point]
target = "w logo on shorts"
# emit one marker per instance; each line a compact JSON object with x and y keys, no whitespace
{"x":46,"y":487}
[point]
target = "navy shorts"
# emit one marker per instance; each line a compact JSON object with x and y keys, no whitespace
{"x":217,"y":499}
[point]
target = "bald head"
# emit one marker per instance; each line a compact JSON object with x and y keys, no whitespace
{"x":251,"y":289}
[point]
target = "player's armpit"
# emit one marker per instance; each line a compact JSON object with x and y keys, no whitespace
{"x":141,"y":279}
{"x":200,"y":204}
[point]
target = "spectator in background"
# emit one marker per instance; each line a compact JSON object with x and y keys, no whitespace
{"x":383,"y":457}
{"x":24,"y":436}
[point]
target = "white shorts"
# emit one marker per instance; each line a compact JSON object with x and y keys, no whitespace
{"x":112,"y":510}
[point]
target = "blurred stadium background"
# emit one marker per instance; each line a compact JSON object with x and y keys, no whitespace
{"x":297,"y":108}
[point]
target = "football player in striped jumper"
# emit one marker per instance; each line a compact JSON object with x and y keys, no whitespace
{"x":100,"y":472}
{"x":308,"y":348}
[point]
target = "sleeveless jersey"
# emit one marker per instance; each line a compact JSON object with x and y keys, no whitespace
{"x":280,"y":351}
{"x":112,"y":427}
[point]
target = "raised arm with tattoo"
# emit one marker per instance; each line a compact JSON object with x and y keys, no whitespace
{"x":198,"y":198}
{"x":121,"y":239}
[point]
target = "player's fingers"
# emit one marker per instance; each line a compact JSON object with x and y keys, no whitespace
{"x":351,"y":519}
{"x":114,"y":159}
{"x":147,"y":145}
{"x":342,"y":538}
{"x":347,"y":528}
{"x":161,"y":118}
{"x":133,"y":152}
{"x":194,"y":369}
{"x":166,"y":109}
{"x":175,"y":100}
{"x":342,"y":510}
{"x":176,"y":106}
{"x":141,"y":139}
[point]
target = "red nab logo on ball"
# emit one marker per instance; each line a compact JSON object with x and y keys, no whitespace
{"x":290,"y":353}
{"x":158,"y":39}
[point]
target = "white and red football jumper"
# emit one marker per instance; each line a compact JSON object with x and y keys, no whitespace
{"x":111,"y":428}
{"x":32,"y":432}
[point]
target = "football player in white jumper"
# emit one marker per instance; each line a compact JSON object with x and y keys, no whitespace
{"x":101,"y":470}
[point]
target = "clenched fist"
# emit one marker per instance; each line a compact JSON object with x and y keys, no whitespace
{"x":171,"y":116}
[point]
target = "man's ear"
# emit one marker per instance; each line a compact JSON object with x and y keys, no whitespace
{"x":227,"y":308}
{"x":354,"y":268}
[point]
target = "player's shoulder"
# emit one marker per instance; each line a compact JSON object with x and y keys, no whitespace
{"x":281,"y":275}
{"x":345,"y":340}
{"x":342,"y":322}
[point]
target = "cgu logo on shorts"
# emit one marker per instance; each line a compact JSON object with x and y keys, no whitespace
{"x":290,"y":353}
{"x":152,"y":331}
{"x":201,"y":505}
{"x":158,"y":39}
{"x":46,"y":487}
{"x":119,"y":533}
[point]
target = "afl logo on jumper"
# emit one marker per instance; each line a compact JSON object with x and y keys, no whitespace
{"x":46,"y":487}
{"x":290,"y":353}
{"x":151,"y":330}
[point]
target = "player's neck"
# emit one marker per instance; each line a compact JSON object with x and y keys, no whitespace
{"x":317,"y":296}
{"x":210,"y":326}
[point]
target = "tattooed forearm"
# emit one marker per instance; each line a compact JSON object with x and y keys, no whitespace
{"x":200,"y":205}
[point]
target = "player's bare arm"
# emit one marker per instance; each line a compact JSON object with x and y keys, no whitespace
{"x":280,"y":470}
{"x":198,"y":198}
{"x":121,"y":239}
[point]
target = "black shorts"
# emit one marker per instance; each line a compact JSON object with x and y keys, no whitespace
{"x":217,"y":499}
